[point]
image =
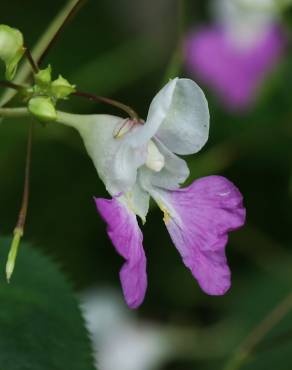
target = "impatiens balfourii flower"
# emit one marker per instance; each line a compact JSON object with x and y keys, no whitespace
{"x":236,"y":53}
{"x":137,"y":160}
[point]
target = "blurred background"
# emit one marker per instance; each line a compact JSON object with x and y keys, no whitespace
{"x":126,"y":50}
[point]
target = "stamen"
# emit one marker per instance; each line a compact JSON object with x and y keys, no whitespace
{"x":155,"y":160}
{"x":166,"y":213}
{"x":125,"y":127}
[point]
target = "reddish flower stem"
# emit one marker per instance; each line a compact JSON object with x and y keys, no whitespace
{"x":130,"y":111}
{"x":25,"y":198}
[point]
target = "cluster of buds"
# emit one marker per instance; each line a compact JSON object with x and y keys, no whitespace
{"x":44,"y":94}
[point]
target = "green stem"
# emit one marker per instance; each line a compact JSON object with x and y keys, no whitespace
{"x":76,"y":6}
{"x":248,"y":346}
{"x":31,"y":61}
{"x":19,"y":229}
{"x":25,"y":70}
{"x":11,"y":85}
{"x":14,"y":112}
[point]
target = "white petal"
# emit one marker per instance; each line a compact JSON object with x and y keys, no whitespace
{"x":137,"y":200}
{"x":185,"y":128}
{"x":157,"y":113}
{"x":179,"y":115}
{"x":174,"y":172}
{"x":116,"y":159}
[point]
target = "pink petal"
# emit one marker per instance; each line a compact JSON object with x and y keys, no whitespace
{"x":201,"y":215}
{"x":126,"y":236}
{"x":234,"y":74}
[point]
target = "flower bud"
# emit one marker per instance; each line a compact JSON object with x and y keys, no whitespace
{"x":10,"y":264}
{"x":44,"y":76}
{"x":42,"y":108}
{"x":11,"y":49}
{"x":61,"y":88}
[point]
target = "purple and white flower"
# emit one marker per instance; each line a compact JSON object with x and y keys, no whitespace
{"x":137,"y":161}
{"x":236,"y":53}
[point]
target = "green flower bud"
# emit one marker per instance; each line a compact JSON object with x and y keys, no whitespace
{"x":43,"y":77}
{"x":10,"y":264}
{"x":43,"y":108}
{"x":11,"y":49}
{"x":61,"y":88}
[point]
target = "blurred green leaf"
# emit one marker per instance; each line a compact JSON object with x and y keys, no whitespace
{"x":41,"y":326}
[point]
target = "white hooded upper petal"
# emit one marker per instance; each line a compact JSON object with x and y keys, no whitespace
{"x":178,"y":121}
{"x":184,"y":126}
{"x":179,"y":116}
{"x":158,"y":111}
{"x":116,"y":159}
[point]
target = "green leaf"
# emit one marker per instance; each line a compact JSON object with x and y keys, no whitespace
{"x":41,"y":326}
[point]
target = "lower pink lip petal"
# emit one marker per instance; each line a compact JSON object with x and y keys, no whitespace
{"x":205,"y":212}
{"x":126,"y":236}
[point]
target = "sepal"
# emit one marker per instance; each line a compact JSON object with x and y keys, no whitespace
{"x":61,"y":88}
{"x":42,"y":108}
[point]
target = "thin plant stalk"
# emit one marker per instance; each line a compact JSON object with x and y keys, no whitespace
{"x":33,"y":64}
{"x":70,"y":15}
{"x":248,"y":346}
{"x":11,"y":85}
{"x":19,"y":228}
{"x":130,"y":111}
{"x":14,"y":112}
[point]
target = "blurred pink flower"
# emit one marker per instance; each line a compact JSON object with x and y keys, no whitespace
{"x":234,"y":71}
